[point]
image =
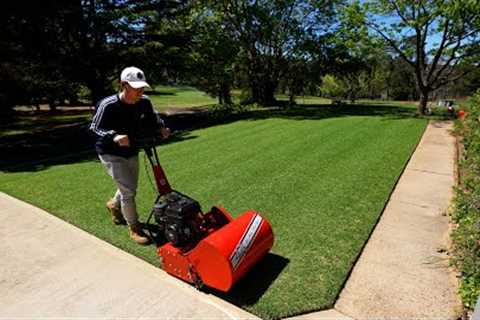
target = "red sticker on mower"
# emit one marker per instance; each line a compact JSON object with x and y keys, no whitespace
{"x":246,"y":241}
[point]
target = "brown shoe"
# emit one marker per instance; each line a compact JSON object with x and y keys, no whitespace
{"x":117,"y":217}
{"x":137,"y":234}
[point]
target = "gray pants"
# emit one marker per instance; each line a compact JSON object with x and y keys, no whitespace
{"x":124,"y":171}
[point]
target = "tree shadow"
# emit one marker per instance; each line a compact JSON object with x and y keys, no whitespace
{"x":39,"y":150}
{"x":207,"y":118}
{"x":252,"y":286}
{"x":72,"y":143}
{"x":60,"y":145}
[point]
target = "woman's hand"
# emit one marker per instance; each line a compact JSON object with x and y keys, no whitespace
{"x":165,"y":133}
{"x":122,"y":140}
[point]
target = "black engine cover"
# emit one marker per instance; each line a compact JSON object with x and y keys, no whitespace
{"x":180,"y":206}
{"x":175,"y":213}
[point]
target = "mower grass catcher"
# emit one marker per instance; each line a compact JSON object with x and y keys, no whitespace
{"x":205,"y":248}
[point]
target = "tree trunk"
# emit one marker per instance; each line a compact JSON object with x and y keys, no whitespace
{"x":255,"y":90}
{"x":265,"y":92}
{"x":268,"y":95}
{"x":99,"y":89}
{"x":291,"y":98}
{"x":53,"y":106}
{"x":422,"y":105}
{"x":225,"y":93}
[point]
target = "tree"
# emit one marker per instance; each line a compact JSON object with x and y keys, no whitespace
{"x":166,"y":43}
{"x":54,"y":47}
{"x":33,"y":54}
{"x":333,"y":88}
{"x":434,"y":37}
{"x":213,"y":54}
{"x":269,"y":34}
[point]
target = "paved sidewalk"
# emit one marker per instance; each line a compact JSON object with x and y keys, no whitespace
{"x":51,"y":269}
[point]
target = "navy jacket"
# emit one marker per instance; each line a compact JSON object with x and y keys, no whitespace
{"x":114,"y":117}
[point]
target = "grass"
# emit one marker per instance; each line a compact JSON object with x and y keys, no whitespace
{"x":164,"y":97}
{"x":304,"y":100}
{"x":321,"y":175}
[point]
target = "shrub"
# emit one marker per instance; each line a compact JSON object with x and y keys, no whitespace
{"x":466,"y":210}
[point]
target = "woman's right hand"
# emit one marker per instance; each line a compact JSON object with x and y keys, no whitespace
{"x":122,"y":140}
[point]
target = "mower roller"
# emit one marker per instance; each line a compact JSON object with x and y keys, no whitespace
{"x":212,"y":248}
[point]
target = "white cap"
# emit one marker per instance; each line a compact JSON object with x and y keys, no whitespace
{"x":134,"y":77}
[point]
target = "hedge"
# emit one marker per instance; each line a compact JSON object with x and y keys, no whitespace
{"x":466,"y":206}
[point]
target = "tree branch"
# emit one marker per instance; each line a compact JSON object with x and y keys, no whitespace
{"x":463,"y":37}
{"x":447,"y":81}
{"x":399,"y":12}
{"x":391,"y":42}
{"x":449,"y":61}
{"x":439,"y":52}
{"x":420,"y":49}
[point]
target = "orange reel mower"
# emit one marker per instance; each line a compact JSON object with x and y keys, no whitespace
{"x":212,"y":248}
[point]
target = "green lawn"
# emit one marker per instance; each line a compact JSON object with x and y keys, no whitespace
{"x":164,"y":97}
{"x":320,"y":174}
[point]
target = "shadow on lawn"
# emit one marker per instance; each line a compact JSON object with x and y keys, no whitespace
{"x":41,"y":149}
{"x":255,"y":283}
{"x":59,"y":145}
{"x":72,"y":143}
{"x":206,"y":118}
{"x":319,"y":111}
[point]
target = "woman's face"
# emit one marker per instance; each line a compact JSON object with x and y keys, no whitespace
{"x":132,"y":95}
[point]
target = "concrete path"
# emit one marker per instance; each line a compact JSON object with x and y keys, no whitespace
{"x":401,"y":274}
{"x":51,"y":269}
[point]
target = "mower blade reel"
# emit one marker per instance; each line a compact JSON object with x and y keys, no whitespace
{"x":220,"y":259}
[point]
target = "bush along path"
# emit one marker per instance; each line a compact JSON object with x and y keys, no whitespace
{"x":466,"y":210}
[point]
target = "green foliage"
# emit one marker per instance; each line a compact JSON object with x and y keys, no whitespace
{"x":272,"y":40}
{"x":214,"y":53}
{"x":53,"y":49}
{"x":332,"y":87}
{"x":351,"y":86}
{"x":466,"y":212}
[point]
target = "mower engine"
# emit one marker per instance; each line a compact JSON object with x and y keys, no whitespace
{"x":205,"y":248}
{"x":178,"y":218}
